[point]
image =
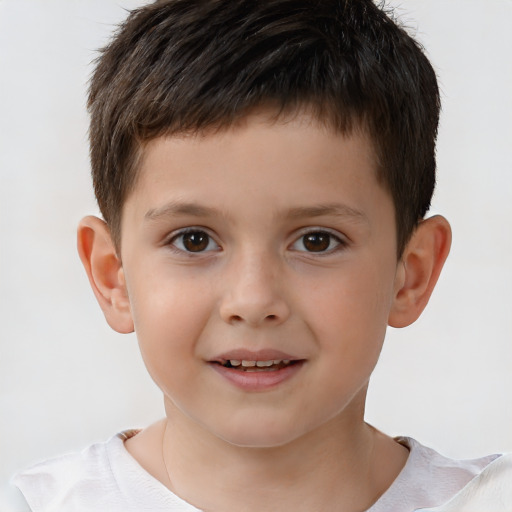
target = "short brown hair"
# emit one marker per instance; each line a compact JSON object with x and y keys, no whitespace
{"x":188,"y":65}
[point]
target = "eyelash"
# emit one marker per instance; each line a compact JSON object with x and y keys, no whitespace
{"x":205,"y":238}
{"x":340,"y":243}
{"x":191,"y":231}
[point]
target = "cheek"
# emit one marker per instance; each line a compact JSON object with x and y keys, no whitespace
{"x":350,"y":311}
{"x":169,"y":317}
{"x":167,"y":303}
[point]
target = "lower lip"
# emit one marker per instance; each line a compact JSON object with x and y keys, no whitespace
{"x":257,"y":380}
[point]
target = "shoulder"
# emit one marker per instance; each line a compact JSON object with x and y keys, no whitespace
{"x":454,"y":472}
{"x":104,"y":476}
{"x":490,"y":490}
{"x":429,"y":479}
{"x":85,"y":476}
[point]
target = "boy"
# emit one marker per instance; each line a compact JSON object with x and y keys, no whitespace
{"x":263,"y":170}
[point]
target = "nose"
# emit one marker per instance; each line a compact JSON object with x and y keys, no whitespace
{"x":253,"y":293}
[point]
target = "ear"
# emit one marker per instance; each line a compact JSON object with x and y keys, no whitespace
{"x":419,"y":269}
{"x":105,"y":272}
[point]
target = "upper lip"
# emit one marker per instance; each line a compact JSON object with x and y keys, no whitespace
{"x":241,"y":354}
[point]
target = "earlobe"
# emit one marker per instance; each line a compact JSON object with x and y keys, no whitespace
{"x":419,"y":269}
{"x":105,"y":272}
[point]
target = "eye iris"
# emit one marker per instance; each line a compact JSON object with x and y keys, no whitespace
{"x":317,"y":242}
{"x":195,"y":241}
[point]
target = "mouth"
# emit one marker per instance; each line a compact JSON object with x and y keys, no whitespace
{"x":257,"y":371}
{"x":244,"y":365}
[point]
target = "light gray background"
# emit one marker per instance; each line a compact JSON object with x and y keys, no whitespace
{"x":66,"y":380}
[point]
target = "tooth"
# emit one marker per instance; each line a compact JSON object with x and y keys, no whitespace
{"x":248,"y":363}
{"x":286,"y":361}
{"x":234,"y":362}
{"x":276,"y":361}
{"x":264,"y":363}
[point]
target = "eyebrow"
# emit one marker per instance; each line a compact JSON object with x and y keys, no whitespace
{"x":180,"y":208}
{"x":177,"y":208}
{"x":334,"y":209}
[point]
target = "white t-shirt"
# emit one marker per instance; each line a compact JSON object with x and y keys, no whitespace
{"x":105,"y":477}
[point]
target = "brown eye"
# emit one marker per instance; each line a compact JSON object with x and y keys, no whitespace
{"x":194,"y":241}
{"x":317,"y":242}
{"x":320,"y":242}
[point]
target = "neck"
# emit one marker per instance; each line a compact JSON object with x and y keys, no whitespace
{"x":335,"y":467}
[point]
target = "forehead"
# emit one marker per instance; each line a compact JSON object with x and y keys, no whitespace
{"x":290,"y":161}
{"x":268,"y":117}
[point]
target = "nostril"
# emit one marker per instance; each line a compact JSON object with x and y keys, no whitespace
{"x":235,"y":319}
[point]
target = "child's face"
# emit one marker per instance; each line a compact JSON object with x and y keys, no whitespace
{"x":268,"y":241}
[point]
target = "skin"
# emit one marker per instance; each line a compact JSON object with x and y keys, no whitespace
{"x":252,"y":194}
